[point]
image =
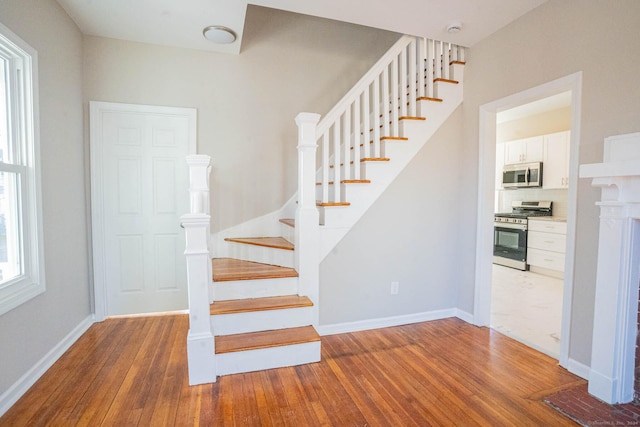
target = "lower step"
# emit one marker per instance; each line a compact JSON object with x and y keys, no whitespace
{"x":259,"y":314}
{"x":267,"y":350}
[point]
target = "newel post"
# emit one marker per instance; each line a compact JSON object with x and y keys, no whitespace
{"x":307,"y":228}
{"x":200,"y":342}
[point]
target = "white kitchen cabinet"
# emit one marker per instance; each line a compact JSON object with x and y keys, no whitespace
{"x":524,"y":150}
{"x":555,"y":173}
{"x":546,"y":243}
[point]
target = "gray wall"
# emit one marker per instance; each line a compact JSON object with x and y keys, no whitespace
{"x":246,"y":104}
{"x":409,"y":235}
{"x":561,"y":37}
{"x":29,"y":331}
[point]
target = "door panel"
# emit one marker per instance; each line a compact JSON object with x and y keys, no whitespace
{"x":138,"y":163}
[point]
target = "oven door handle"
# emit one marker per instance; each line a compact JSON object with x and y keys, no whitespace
{"x":527,"y":175}
{"x":522,"y":227}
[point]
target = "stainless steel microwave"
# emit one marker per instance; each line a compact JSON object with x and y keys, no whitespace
{"x":522,"y":175}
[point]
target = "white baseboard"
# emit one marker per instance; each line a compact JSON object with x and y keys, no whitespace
{"x":20,"y":387}
{"x":364,"y":325}
{"x":464,"y":316}
{"x":578,"y":369}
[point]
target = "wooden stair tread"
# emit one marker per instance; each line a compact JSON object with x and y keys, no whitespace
{"x":356,"y":181}
{"x":267,"y":242}
{"x":228,"y":269}
{"x":426,"y":98}
{"x":329,"y":204}
{"x":439,"y":79}
{"x":288,"y":221}
{"x":375,"y":159}
{"x":411,"y":118}
{"x":394,"y":138}
{"x":259,"y":304}
{"x":265,"y":339}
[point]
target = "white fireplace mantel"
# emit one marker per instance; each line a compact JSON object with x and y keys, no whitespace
{"x":615,"y":320}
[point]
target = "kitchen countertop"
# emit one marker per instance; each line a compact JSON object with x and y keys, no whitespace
{"x":549,"y":218}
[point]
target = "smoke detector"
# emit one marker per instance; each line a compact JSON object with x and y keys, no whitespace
{"x":454,"y":27}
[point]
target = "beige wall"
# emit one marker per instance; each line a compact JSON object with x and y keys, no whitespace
{"x":561,"y":37}
{"x":30,"y":331}
{"x":246,"y":103}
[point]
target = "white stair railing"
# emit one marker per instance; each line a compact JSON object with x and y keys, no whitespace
{"x":370,"y":110}
{"x":351,"y":132}
{"x":200,"y":341}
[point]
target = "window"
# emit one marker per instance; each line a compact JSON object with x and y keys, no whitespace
{"x":21,"y":248}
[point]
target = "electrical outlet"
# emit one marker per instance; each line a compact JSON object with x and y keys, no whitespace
{"x":395,"y":288}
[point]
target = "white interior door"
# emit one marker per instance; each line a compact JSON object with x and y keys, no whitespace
{"x":139,"y":186}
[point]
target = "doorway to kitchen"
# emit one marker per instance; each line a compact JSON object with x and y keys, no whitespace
{"x":532,"y":141}
{"x":490,"y":202}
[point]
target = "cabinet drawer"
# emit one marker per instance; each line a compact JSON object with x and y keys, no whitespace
{"x":547,"y":241}
{"x":545,"y":259}
{"x":548,"y":226}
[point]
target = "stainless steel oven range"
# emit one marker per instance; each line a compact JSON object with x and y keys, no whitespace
{"x":510,"y":232}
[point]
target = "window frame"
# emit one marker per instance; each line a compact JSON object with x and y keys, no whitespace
{"x":23,"y":130}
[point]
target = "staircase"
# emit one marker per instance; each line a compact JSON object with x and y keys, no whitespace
{"x":255,"y":305}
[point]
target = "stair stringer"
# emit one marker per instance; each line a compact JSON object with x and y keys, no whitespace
{"x":338,"y":220}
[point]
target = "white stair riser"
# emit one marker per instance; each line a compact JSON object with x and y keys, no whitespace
{"x":240,"y":289}
{"x":288,"y":232}
{"x":446,"y":90}
{"x":374,"y":171}
{"x":267,"y":358}
{"x":457,"y":72}
{"x":262,"y":254}
{"x":240,"y":323}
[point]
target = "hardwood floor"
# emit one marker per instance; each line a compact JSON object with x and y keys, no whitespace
{"x":133,"y":372}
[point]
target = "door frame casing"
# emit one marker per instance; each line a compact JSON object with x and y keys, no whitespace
{"x":486,"y":191}
{"x":96,"y":112}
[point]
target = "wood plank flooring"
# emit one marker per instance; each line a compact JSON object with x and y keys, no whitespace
{"x":133,"y":371}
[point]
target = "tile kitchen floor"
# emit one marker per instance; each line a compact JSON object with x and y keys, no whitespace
{"x":528,"y":308}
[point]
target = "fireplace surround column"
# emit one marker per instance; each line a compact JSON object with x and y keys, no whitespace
{"x":615,"y":320}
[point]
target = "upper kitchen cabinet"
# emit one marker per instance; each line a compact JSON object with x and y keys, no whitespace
{"x":524,"y":150}
{"x":556,"y":160}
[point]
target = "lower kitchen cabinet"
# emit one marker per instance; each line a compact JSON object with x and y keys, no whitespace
{"x":546,"y":243}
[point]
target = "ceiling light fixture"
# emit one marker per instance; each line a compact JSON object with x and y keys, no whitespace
{"x":219,"y":34}
{"x":454,"y":27}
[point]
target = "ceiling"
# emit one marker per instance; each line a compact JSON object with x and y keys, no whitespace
{"x":180,"y":23}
